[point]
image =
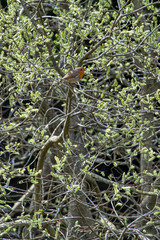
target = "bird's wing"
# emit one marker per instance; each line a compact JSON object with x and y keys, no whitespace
{"x":71,"y":74}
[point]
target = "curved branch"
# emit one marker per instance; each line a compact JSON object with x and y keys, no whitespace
{"x":50,"y":143}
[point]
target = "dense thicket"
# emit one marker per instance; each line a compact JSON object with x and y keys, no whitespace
{"x":82,"y":161}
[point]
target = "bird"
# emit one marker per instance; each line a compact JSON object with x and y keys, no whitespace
{"x":74,"y":75}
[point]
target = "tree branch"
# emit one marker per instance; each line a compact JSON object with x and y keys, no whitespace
{"x":42,"y":32}
{"x":108,"y":34}
{"x":53,"y":140}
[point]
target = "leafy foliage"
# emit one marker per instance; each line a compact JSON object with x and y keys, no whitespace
{"x":79,"y":161}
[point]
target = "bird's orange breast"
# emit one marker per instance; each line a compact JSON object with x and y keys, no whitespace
{"x":81,"y":72}
{"x":74,"y":75}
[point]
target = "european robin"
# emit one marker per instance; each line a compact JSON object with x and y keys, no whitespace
{"x":74,"y":75}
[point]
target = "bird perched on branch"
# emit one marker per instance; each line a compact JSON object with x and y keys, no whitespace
{"x":74,"y":75}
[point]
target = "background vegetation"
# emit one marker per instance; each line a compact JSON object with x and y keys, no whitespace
{"x":80,"y":162}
